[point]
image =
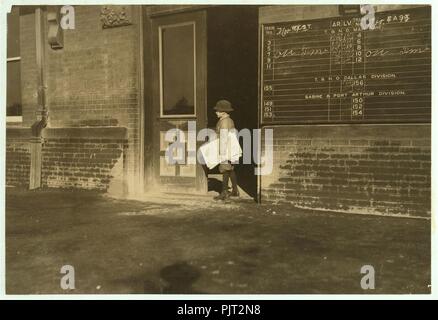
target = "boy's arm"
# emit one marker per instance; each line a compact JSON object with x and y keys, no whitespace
{"x":227,"y":123}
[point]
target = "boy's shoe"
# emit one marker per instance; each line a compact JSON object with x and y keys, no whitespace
{"x":235,"y":193}
{"x":223,"y":196}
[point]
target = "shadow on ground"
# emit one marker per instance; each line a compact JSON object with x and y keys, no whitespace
{"x":179,"y":278}
{"x":214,"y":185}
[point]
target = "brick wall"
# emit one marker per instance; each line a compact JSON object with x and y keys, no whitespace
{"x":29,"y":98}
{"x":17,"y":157}
{"x":363,"y":168}
{"x":94,"y":79}
{"x":84,"y":158}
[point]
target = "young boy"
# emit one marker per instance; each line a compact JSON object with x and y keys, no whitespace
{"x":223,"y":108}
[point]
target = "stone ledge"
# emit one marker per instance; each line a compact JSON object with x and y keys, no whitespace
{"x":18,"y":133}
{"x":107,"y":133}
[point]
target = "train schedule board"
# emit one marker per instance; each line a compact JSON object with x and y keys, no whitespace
{"x":336,"y":71}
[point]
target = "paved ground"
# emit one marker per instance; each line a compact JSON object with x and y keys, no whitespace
{"x":183,"y":245}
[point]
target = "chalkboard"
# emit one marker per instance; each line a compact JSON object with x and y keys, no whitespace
{"x":336,"y":71}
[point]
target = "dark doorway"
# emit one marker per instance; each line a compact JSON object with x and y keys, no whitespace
{"x":232,"y":73}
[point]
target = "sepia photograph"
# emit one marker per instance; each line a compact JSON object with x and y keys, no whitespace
{"x":239,"y":149}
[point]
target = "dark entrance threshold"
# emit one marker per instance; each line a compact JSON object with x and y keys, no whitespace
{"x":232,"y":60}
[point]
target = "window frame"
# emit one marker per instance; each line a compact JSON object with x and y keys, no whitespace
{"x":160,"y":57}
{"x":14,"y":119}
{"x":16,"y":59}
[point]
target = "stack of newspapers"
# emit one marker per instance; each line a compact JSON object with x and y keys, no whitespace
{"x":212,"y":156}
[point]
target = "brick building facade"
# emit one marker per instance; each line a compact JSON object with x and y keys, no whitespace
{"x":103,"y":129}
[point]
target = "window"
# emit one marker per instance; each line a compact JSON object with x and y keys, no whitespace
{"x":13,"y":99}
{"x":177,"y":70}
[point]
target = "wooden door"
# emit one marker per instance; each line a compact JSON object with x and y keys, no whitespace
{"x":178,"y":96}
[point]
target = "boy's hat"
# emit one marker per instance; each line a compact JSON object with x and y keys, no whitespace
{"x":223,"y":106}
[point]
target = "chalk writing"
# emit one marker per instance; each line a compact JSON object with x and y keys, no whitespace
{"x":285,"y":30}
{"x":301,"y":52}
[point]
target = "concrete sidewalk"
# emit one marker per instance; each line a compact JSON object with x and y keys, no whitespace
{"x":185,"y":245}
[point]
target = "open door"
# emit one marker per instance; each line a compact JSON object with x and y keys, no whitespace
{"x":233,"y":75}
{"x":178,"y":96}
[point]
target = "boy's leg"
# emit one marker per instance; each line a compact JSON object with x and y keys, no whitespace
{"x":233,"y":178}
{"x":226,"y":177}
